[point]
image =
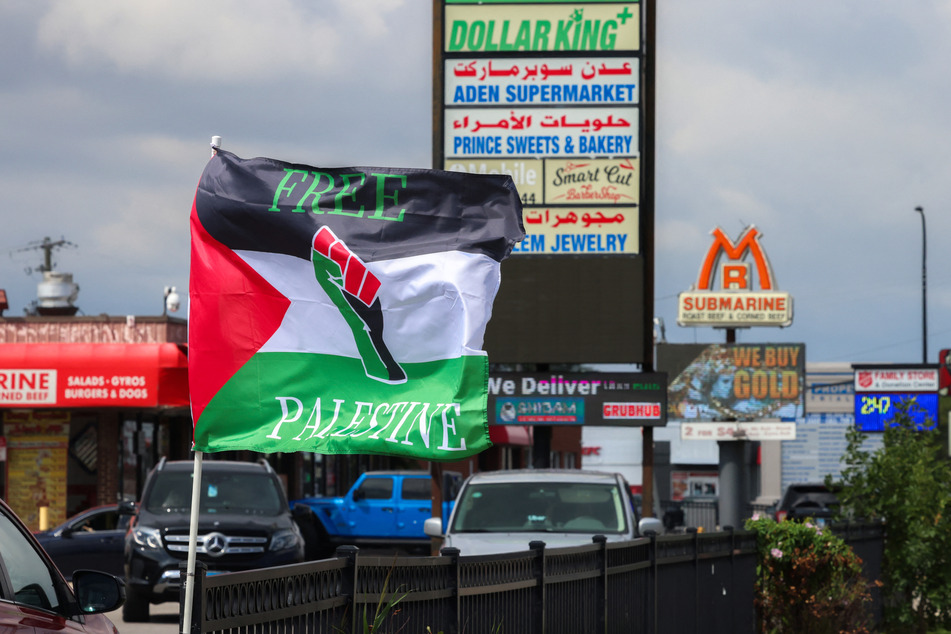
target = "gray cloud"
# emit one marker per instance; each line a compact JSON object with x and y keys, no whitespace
{"x":822,"y":123}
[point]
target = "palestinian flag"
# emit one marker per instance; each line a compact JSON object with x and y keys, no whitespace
{"x":343,"y":310}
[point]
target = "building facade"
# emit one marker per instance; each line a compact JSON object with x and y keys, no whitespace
{"x":88,"y":405}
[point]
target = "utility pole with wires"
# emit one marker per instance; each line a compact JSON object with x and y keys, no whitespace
{"x":56,"y":294}
{"x":46,"y":245}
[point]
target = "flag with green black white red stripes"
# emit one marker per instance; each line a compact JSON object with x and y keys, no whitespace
{"x":342,"y":310}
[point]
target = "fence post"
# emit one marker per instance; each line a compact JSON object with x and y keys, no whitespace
{"x":602,"y":595}
{"x":456,"y":620}
{"x":538,"y":571}
{"x":652,"y":586}
{"x":696,"y":579}
{"x":197,"y":588}
{"x":348,"y":583}
{"x":732,"y":591}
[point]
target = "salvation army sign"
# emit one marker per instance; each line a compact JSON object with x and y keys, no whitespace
{"x":897,"y":380}
{"x":882,"y":392}
{"x":726,"y":293}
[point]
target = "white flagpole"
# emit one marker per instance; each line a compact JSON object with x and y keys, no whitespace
{"x":189,"y":581}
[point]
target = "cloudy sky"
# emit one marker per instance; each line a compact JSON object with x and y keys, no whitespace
{"x":822,"y":123}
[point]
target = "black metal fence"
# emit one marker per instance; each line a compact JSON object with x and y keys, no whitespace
{"x":683,"y":514}
{"x":868,"y":542}
{"x":686,"y":583}
{"x":703,"y":513}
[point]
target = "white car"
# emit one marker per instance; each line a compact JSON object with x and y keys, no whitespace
{"x":502,"y":511}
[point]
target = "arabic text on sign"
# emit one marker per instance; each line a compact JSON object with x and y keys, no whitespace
{"x":541,"y":72}
{"x":524,"y":122}
{"x":556,"y":218}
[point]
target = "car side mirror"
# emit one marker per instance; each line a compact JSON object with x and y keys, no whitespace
{"x":127,"y":508}
{"x":433,"y":527}
{"x":68,"y":531}
{"x":97,"y":591}
{"x":650,"y":524}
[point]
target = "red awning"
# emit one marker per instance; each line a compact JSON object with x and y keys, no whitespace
{"x":511,"y":435}
{"x":93,"y":375}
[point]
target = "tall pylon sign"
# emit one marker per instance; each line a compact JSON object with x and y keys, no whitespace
{"x":560,"y":96}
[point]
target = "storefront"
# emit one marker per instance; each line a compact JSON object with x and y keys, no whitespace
{"x":87,"y":406}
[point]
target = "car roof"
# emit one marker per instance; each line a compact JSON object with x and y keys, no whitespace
{"x":542,"y":475}
{"x":96,"y":509}
{"x":212,"y":465}
{"x":800,"y":488}
{"x":808,"y":485}
{"x":808,"y":491}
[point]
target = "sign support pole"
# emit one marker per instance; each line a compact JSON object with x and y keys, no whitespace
{"x":189,"y":581}
{"x":732,"y":472}
{"x":647,"y":471}
{"x":732,"y":482}
{"x":649,"y":45}
{"x":437,"y":495}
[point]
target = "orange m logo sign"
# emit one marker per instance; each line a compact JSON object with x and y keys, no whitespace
{"x":735,"y":275}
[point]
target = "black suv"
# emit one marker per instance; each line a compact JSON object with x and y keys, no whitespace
{"x":244,"y":523}
{"x":808,"y":500}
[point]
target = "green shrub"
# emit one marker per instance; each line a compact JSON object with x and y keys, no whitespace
{"x":807,"y":580}
{"x":905,"y":483}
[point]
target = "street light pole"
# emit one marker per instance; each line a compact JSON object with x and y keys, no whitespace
{"x":924,"y":287}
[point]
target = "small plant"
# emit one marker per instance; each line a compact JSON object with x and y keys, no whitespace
{"x":386,"y":608}
{"x":808,"y":580}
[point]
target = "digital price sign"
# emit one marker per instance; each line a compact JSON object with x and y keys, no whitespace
{"x":873,"y":411}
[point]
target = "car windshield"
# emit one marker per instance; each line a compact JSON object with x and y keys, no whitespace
{"x":809,"y":496}
{"x":248,"y":493}
{"x":816,"y":499}
{"x":563,"y":507}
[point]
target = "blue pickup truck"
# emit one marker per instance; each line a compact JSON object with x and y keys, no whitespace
{"x":382,"y":509}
